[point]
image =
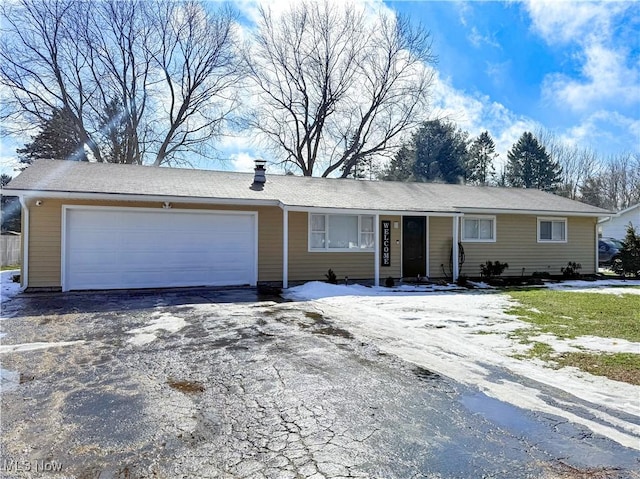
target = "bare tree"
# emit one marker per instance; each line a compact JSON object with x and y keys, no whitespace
{"x":577,"y":163}
{"x":200,"y":68}
{"x":141,"y":80}
{"x":337,"y":86}
{"x":41,"y":66}
{"x":617,"y":185}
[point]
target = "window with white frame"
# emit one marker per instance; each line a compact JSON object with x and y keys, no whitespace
{"x":479,"y":228}
{"x":341,"y":232}
{"x":553,"y":230}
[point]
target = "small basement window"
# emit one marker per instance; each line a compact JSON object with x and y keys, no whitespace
{"x":552,"y":230}
{"x":479,"y":229}
{"x":341,"y":232}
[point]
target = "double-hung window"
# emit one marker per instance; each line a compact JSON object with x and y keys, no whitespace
{"x":341,"y":232}
{"x":552,"y":230}
{"x":479,"y":229}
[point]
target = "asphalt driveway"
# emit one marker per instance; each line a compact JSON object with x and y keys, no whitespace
{"x":205,"y":383}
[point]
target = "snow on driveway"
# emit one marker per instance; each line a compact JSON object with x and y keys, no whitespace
{"x":464,"y":335}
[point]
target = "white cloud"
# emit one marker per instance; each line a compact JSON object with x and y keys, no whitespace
{"x":606,"y":78}
{"x":477,"y":113}
{"x":604,"y":127}
{"x":567,"y":22}
{"x":478,"y":40}
{"x":608,"y":75}
{"x":242,"y":162}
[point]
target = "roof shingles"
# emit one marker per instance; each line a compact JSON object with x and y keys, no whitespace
{"x":61,"y":177}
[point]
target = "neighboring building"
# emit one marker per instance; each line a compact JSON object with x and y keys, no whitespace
{"x":108,"y":226}
{"x":616,"y":226}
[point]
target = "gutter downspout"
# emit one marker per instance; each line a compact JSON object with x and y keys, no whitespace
{"x":24,"y":268}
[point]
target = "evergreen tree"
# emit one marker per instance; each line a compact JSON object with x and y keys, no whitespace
{"x":629,"y":262}
{"x":530,"y":166}
{"x":119,"y":135}
{"x":440,"y":152}
{"x":56,"y":140}
{"x":9,"y":208}
{"x":591,"y":193}
{"x":479,"y":167}
{"x":400,"y":168}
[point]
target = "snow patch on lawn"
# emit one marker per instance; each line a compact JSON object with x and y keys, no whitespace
{"x":605,"y":286}
{"x":465,"y":336}
{"x":587,"y":344}
{"x":147,"y":334}
{"x":8,"y":289}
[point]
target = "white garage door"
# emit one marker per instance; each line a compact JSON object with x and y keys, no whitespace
{"x":109,"y":248}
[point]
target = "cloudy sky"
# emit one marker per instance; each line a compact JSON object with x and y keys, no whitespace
{"x":570,"y":67}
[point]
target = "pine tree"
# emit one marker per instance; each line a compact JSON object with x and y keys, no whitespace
{"x":479,"y":167}
{"x":9,"y":208}
{"x":629,"y":262}
{"x":56,"y":140}
{"x":530,"y":166}
{"x":400,"y":168}
{"x":441,"y":152}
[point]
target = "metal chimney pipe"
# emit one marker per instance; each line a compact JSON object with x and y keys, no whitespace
{"x":260,"y":177}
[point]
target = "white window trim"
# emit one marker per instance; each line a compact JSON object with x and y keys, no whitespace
{"x":326,"y":249}
{"x":479,"y":240}
{"x":552,"y":219}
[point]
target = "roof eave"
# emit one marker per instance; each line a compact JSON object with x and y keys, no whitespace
{"x":512,"y":211}
{"x":75,"y":195}
{"x":368,"y":211}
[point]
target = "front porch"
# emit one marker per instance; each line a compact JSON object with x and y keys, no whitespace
{"x":405,"y":245}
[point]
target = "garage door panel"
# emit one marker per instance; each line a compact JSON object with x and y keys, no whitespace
{"x":141,"y":248}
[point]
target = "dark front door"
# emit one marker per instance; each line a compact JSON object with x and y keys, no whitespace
{"x":413,"y":246}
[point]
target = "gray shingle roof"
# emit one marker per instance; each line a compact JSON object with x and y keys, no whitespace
{"x":59,"y":177}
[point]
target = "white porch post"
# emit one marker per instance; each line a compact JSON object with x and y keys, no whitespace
{"x":285,"y":247}
{"x":376,"y":254}
{"x":454,"y":256}
{"x":427,"y":265}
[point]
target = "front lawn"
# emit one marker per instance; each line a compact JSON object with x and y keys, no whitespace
{"x":570,"y":314}
{"x":573,"y":314}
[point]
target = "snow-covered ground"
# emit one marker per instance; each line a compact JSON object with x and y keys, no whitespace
{"x":8,"y":289}
{"x":464,"y":335}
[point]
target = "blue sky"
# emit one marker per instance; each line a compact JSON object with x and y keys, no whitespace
{"x":570,"y":67}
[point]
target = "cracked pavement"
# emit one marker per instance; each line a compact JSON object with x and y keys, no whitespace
{"x":231,"y":385}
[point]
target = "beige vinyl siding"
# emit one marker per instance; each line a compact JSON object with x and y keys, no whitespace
{"x":517,"y":244}
{"x":46,"y":232}
{"x":440,"y":233}
{"x":306,"y":266}
{"x":44,"y":244}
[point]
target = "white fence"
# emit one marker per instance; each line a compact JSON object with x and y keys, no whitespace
{"x":9,"y":250}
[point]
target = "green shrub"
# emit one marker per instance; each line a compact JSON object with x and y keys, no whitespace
{"x":628,"y":263}
{"x":572,"y":270}
{"x":492,"y":269}
{"x":389,"y":282}
{"x":331,"y":277}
